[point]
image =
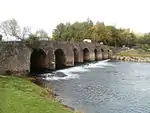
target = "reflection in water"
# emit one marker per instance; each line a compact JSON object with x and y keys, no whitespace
{"x":105,"y":87}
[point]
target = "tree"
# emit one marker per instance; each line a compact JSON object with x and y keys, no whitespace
{"x":98,"y":32}
{"x":32,"y":41}
{"x":11,"y":28}
{"x":73,"y":32}
{"x":1,"y":37}
{"x":26,"y":32}
{"x":58,"y":32}
{"x":41,"y":33}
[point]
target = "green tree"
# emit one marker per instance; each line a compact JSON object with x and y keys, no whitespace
{"x":98,"y":32}
{"x":32,"y":41}
{"x":58,"y":32}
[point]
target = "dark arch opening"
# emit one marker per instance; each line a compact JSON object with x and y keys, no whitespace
{"x":76,"y":56}
{"x":38,"y":61}
{"x":59,"y":59}
{"x":86,"y":55}
{"x":96,"y":54}
{"x":102,"y":51}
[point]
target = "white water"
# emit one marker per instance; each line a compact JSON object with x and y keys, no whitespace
{"x":73,"y":73}
{"x":99,"y":64}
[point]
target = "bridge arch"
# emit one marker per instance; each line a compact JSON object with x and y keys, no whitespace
{"x":38,"y":60}
{"x":76,"y":56}
{"x":60,"y":59}
{"x":86,"y":55}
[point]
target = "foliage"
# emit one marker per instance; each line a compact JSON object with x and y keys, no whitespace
{"x":144,"y":42}
{"x":21,"y":96}
{"x":98,"y":32}
{"x":32,"y":41}
{"x":11,"y":28}
{"x":41,"y":33}
{"x":1,"y":37}
{"x":145,"y":47}
{"x":144,"y":39}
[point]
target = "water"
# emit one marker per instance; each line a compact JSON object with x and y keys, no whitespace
{"x":105,"y":87}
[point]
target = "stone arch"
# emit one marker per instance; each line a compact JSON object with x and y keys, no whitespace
{"x":102,"y":52}
{"x":76,"y":56}
{"x":86,"y":55}
{"x":38,"y":61}
{"x":60,"y":59}
{"x":96,"y":54}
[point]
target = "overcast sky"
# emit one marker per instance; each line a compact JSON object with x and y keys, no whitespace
{"x":47,"y":14}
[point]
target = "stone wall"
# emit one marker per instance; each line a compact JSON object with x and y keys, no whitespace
{"x":14,"y":56}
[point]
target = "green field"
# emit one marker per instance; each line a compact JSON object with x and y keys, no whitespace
{"x":18,"y":95}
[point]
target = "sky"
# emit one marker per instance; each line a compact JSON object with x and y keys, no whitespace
{"x":46,"y":14}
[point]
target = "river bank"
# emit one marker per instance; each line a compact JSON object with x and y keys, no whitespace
{"x":132,"y":59}
{"x":19,"y":94}
{"x":132,"y":55}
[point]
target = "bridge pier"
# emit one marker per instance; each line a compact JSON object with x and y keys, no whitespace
{"x":105,"y":56}
{"x":110,"y":54}
{"x":51,"y":59}
{"x":98,"y":54}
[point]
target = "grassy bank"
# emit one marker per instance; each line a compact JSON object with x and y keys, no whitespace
{"x":18,"y":95}
{"x":133,"y":53}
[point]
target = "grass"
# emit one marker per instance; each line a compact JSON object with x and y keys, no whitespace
{"x":18,"y":95}
{"x":134,"y":53}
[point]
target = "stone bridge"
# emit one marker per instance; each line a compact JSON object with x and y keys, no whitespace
{"x":16,"y":57}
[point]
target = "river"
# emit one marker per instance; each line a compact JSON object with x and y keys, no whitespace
{"x":105,"y":87}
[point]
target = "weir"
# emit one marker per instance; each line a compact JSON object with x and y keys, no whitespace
{"x":47,"y":56}
{"x":73,"y":72}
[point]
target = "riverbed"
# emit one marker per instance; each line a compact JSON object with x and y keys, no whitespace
{"x":105,"y":87}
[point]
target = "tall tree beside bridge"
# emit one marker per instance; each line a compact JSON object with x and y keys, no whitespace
{"x":11,"y":28}
{"x":73,"y":32}
{"x":58,"y":33}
